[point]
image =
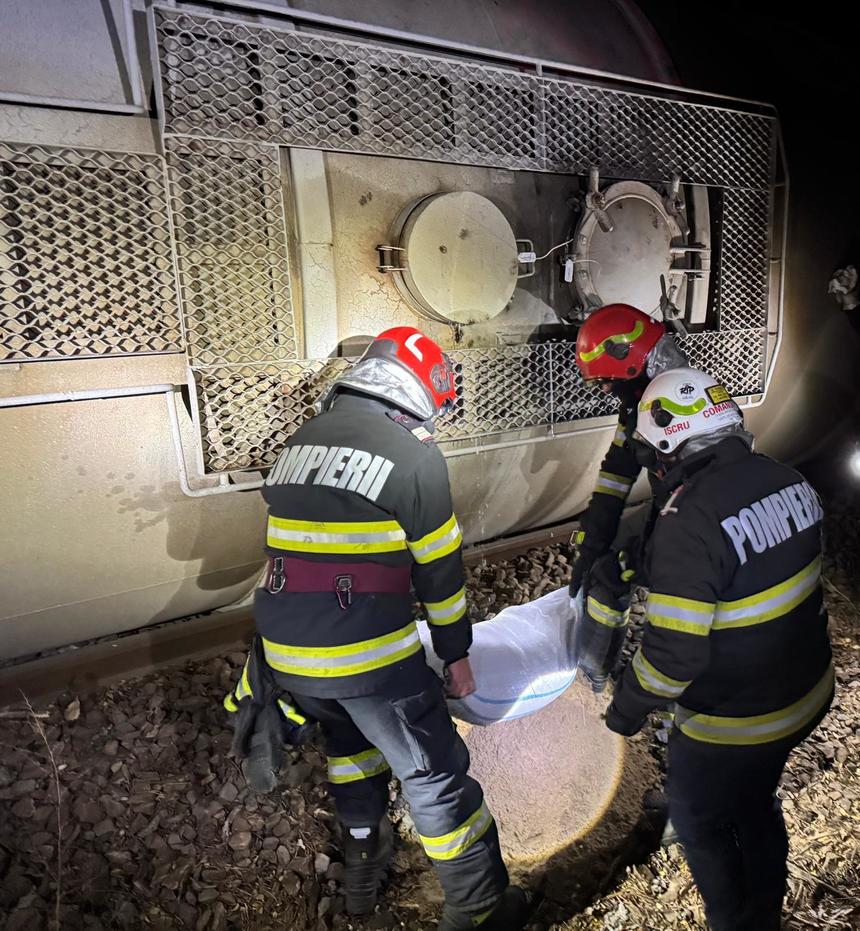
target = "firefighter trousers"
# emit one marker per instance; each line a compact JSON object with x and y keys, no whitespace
{"x":723,"y":806}
{"x":414,"y":736}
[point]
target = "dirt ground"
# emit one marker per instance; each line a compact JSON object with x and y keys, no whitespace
{"x":123,"y":809}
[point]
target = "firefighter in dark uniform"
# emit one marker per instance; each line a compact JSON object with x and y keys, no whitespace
{"x":735,"y":640}
{"x":360,"y":513}
{"x":622,"y":349}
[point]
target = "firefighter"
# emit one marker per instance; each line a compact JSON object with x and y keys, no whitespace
{"x":622,"y":349}
{"x":360,"y":513}
{"x":735,"y":639}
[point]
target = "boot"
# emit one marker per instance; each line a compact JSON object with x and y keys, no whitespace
{"x":510,"y":913}
{"x":366,"y":855}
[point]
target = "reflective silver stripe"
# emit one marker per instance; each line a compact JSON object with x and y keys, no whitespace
{"x":307,"y":536}
{"x":771,"y":603}
{"x":654,"y":681}
{"x":438,"y":543}
{"x":243,"y":686}
{"x":605,"y":615}
{"x":456,"y":842}
{"x":620,"y":436}
{"x":342,"y":769}
{"x":756,"y":729}
{"x":290,"y":712}
{"x":448,"y":611}
{"x":682,"y":614}
{"x":350,"y":659}
{"x":613,"y":484}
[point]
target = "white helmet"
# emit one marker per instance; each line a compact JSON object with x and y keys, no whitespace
{"x":683,"y":403}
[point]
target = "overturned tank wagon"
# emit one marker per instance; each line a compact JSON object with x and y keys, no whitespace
{"x":207,"y":210}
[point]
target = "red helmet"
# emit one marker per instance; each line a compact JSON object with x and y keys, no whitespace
{"x":421,"y":356}
{"x":614,"y":342}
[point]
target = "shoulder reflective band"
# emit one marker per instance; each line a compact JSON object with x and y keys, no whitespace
{"x":448,"y":611}
{"x":242,"y":690}
{"x":456,"y":842}
{"x":620,"y":437}
{"x":343,"y":769}
{"x":600,"y":348}
{"x":438,"y":543}
{"x":608,"y":483}
{"x":311,"y":536}
{"x":681,"y":410}
{"x":290,"y":712}
{"x":760,"y":728}
{"x":348,"y":660}
{"x":681,"y":614}
{"x":604,"y":614}
{"x":771,"y":603}
{"x":654,"y":681}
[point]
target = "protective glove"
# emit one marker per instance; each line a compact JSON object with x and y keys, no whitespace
{"x":602,"y":626}
{"x":621,"y":725}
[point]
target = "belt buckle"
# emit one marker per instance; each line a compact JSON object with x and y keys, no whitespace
{"x":277,"y":578}
{"x":343,"y":590}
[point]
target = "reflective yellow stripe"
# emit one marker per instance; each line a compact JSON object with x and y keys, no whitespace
{"x":290,"y":713}
{"x":682,"y":614}
{"x":343,"y":769}
{"x":771,"y":603}
{"x":310,"y":536}
{"x":620,"y":437}
{"x":760,"y":728}
{"x":456,"y":842}
{"x":654,"y":681}
{"x":680,"y":410}
{"x":438,"y":543}
{"x":608,"y":483}
{"x":448,"y":611}
{"x":243,"y":689}
{"x":229,"y":704}
{"x":604,"y":614}
{"x":592,"y":354}
{"x":347,"y":660}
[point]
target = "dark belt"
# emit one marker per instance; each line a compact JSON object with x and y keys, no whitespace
{"x":288,"y":574}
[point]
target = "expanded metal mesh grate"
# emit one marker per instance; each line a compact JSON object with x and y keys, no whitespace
{"x":233,"y":92}
{"x":735,"y":357}
{"x":743,"y":294}
{"x":249,"y":411}
{"x":85,"y":255}
{"x":237,"y":80}
{"x":231,"y":250}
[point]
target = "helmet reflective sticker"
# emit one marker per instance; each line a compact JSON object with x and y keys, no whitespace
{"x":613,"y":344}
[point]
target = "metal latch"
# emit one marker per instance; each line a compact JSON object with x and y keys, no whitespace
{"x":343,"y":590}
{"x":387,"y":258}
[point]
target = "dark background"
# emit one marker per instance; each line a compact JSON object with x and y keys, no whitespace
{"x":803,"y":59}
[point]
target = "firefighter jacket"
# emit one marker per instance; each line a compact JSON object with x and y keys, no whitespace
{"x":619,"y":470}
{"x":623,"y":462}
{"x":736,"y":630}
{"x":361,"y":490}
{"x":261,"y":708}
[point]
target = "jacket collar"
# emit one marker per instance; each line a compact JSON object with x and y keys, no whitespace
{"x":731,"y":449}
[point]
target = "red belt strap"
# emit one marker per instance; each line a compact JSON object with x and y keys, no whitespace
{"x":288,"y":574}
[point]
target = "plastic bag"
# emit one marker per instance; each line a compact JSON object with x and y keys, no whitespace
{"x":522,"y":659}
